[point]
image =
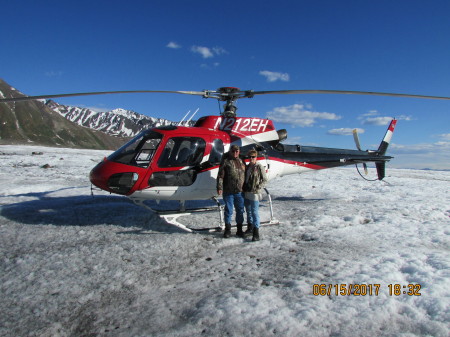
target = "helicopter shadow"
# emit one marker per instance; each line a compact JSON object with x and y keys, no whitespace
{"x":84,"y":211}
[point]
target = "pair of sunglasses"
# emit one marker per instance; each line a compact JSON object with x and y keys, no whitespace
{"x":252,"y":156}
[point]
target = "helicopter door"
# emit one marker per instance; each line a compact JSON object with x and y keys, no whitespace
{"x":184,"y":153}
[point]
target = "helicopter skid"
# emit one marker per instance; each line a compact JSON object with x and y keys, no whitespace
{"x":171,"y":216}
{"x":270,"y":222}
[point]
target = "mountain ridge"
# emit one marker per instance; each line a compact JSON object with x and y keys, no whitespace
{"x":46,"y":122}
{"x":117,"y":122}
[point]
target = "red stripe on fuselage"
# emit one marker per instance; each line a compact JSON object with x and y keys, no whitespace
{"x":284,"y":161}
{"x":298,"y":163}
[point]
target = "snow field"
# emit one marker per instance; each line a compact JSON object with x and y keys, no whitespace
{"x":73,"y":264}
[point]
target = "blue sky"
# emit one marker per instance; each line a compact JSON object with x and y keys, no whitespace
{"x":389,"y":46}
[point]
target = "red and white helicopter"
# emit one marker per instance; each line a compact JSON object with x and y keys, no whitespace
{"x":181,"y":163}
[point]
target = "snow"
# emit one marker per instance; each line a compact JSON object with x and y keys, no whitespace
{"x":127,"y":113}
{"x":73,"y":264}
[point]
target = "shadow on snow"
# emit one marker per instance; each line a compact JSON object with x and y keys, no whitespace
{"x":83,"y":210}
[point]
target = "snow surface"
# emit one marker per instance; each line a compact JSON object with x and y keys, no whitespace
{"x":73,"y":264}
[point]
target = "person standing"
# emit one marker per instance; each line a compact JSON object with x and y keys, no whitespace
{"x":230,"y":181}
{"x":255,"y":180}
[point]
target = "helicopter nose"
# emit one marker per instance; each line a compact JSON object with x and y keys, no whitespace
{"x":98,"y":177}
{"x":113,"y":177}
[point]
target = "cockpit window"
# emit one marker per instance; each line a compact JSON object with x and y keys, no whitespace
{"x":139,"y":151}
{"x":182,"y":151}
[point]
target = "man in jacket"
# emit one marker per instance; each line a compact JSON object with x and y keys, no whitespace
{"x":230,"y":181}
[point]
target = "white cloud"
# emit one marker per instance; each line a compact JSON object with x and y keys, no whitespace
{"x":344,"y":131}
{"x":404,"y":118}
{"x":445,"y":136}
{"x":370,"y":113}
{"x":204,"y":51}
{"x":209,"y":66}
{"x":377,"y":120}
{"x":273,"y":76}
{"x":299,"y":115}
{"x":207,"y":52}
{"x":219,"y":51}
{"x":53,"y":73}
{"x":423,"y":155}
{"x":373,"y":118}
{"x":426,"y":148}
{"x":173,"y":45}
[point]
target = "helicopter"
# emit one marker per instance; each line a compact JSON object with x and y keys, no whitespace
{"x":181,"y":163}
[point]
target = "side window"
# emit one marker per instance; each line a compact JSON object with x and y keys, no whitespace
{"x":216,"y":152}
{"x":182,"y":151}
{"x":147,"y":151}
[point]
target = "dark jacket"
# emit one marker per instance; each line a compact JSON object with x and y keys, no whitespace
{"x":230,"y":178}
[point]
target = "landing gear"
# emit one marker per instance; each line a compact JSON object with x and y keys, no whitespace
{"x":272,"y":220}
{"x":171,"y":216}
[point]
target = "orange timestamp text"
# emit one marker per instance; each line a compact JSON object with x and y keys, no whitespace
{"x":344,"y":289}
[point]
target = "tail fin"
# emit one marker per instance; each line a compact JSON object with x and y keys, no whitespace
{"x":381,"y":165}
{"x":387,"y":138}
{"x":381,"y":169}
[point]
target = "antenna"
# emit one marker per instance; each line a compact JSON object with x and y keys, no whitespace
{"x":179,"y":123}
{"x":187,"y":122}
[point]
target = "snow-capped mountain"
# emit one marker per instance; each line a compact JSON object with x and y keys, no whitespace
{"x":46,"y":122}
{"x":34,"y":123}
{"x":117,"y":122}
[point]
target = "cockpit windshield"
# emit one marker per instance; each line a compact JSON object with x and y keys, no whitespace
{"x":139,"y":151}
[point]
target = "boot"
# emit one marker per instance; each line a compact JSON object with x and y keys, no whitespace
{"x":249,"y":230}
{"x":227,"y":232}
{"x":255,"y":234}
{"x":239,"y":232}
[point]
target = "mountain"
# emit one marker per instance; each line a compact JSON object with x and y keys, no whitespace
{"x":45,"y":122}
{"x":118,"y":122}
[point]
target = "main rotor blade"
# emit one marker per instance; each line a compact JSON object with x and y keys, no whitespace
{"x":28,"y":98}
{"x":218,"y":95}
{"x":348,"y":92}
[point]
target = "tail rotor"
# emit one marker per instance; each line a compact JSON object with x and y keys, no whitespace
{"x":358,"y":146}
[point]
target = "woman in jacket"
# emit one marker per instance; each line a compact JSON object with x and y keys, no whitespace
{"x":255,"y":179}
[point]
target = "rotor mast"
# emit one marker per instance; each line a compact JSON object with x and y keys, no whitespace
{"x":229,"y":95}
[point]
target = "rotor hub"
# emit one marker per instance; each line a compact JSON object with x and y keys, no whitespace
{"x":229,"y":95}
{"x":228,"y":90}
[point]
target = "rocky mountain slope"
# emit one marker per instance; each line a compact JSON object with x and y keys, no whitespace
{"x":45,"y":122}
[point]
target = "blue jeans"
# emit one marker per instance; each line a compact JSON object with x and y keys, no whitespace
{"x":252,"y":209}
{"x":237,"y":200}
